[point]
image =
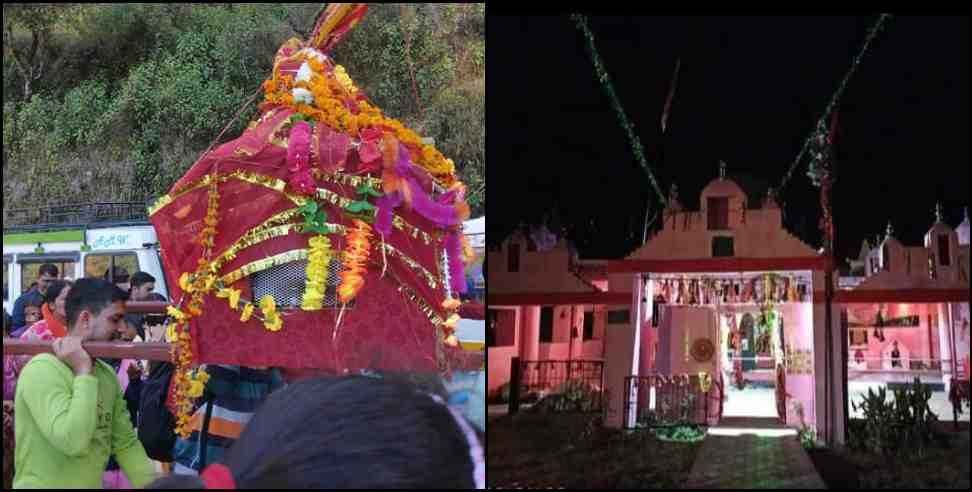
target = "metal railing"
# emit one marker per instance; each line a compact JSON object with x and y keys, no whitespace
{"x":677,"y":399}
{"x":74,"y":215}
{"x":906,"y":363}
{"x":580,"y":379}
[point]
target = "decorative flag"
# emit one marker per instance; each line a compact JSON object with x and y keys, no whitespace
{"x":671,"y":94}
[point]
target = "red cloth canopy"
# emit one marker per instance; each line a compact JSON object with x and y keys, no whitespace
{"x":394,"y":322}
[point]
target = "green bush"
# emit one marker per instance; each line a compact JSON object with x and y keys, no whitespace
{"x":680,"y":433}
{"x":573,"y":395}
{"x":807,"y":437}
{"x":904,"y":425}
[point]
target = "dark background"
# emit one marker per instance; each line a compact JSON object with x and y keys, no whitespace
{"x":749,"y":92}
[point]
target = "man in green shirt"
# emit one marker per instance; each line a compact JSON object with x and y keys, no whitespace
{"x":71,"y":414}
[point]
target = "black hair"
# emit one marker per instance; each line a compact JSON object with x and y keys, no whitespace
{"x":119,"y":274}
{"x":347,"y":432}
{"x":136,"y":320}
{"x":140,"y":278}
{"x":7,"y":323}
{"x":35,"y":301}
{"x":93,"y":295}
{"x":54,"y":290}
{"x":48,"y":268}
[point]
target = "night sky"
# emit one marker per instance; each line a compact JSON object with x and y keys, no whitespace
{"x":749,"y":92}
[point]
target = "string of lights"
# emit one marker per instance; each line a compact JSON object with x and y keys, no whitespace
{"x":626,"y":125}
{"x":834,"y":99}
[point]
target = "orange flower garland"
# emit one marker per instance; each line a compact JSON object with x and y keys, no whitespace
{"x":355,"y":255}
{"x":339,"y":104}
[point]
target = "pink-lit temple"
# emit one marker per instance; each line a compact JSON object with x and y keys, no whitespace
{"x":726,"y":291}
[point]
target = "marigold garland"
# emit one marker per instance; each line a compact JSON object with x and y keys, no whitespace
{"x":339,"y":104}
{"x":449,"y":330}
{"x":355,"y":256}
{"x":196,"y":285}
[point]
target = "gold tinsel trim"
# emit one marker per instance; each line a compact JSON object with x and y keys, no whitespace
{"x":159,"y":204}
{"x":332,"y":198}
{"x":429,"y":277}
{"x":349,"y":180}
{"x":423,"y":306}
{"x":263,"y":264}
{"x":253,"y":238}
{"x":279,"y":185}
{"x":274,"y":184}
{"x":407,"y":228}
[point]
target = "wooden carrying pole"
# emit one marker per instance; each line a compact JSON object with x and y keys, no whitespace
{"x":155,"y":351}
{"x":110,"y":350}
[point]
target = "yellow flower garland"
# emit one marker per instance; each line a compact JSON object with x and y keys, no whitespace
{"x":231,"y":295}
{"x":271,"y":318}
{"x":318,"y":260}
{"x":247,"y":312}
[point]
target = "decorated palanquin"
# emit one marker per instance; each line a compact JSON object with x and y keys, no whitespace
{"x":326,"y":236}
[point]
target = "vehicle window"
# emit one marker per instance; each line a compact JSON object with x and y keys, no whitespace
{"x":112,"y":264}
{"x":29,"y":272}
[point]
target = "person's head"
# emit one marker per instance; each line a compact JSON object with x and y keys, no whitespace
{"x":32,"y":310}
{"x":130,"y":328}
{"x":119,"y":277}
{"x":56,"y":296}
{"x":45,"y":275}
{"x":351,"y":432}
{"x":142,"y":285}
{"x":95,"y":309}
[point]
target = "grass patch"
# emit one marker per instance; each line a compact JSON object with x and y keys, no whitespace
{"x":574,"y":451}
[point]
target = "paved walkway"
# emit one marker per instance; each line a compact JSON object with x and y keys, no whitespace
{"x":750,"y":461}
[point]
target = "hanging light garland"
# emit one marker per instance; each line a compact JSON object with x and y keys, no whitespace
{"x":820,"y":127}
{"x":602,"y":76}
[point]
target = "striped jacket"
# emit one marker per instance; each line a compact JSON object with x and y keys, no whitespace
{"x":236,"y":394}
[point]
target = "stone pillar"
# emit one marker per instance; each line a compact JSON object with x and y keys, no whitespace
{"x":530,"y":331}
{"x":621,"y":347}
{"x":830,"y":391}
{"x":579,"y":327}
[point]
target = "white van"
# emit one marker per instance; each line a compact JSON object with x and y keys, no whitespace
{"x":78,"y":253}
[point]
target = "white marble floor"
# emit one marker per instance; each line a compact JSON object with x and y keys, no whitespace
{"x":750,"y":402}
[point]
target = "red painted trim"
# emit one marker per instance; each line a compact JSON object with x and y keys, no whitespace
{"x":557,"y":298}
{"x":901,"y":295}
{"x":717,"y":265}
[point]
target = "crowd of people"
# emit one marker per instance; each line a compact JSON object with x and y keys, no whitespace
{"x":73,"y":421}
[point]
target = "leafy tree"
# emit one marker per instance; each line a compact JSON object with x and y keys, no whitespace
{"x":111,"y":102}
